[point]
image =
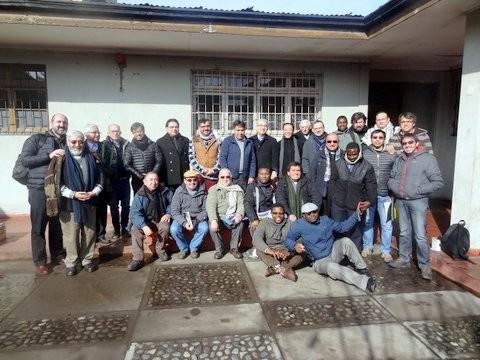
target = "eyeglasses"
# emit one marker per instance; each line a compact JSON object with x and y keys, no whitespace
{"x":332,"y":141}
{"x":406,"y":122}
{"x":76,"y":142}
{"x":225,"y":177}
{"x":408,"y":142}
{"x":378,"y":137}
{"x":192,"y":180}
{"x":311,"y":212}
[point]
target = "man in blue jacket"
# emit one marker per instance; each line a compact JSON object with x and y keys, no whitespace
{"x":238,"y":155}
{"x":313,"y":235}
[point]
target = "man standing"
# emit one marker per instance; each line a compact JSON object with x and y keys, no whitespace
{"x":304,"y":133}
{"x":382,"y":122}
{"x":414,"y":176}
{"x":359,"y":124}
{"x":225,"y":210}
{"x":294,"y":190}
{"x":344,"y":134}
{"x":37,"y":152}
{"x":174,"y":148}
{"x":81,"y":182}
{"x":238,"y":155}
{"x":382,"y":162}
{"x":150,"y":214}
{"x":314,"y":145}
{"x":313,"y":235}
{"x":266,"y":149}
{"x":289,"y":149}
{"x":108,"y":160}
{"x":321,"y":170}
{"x":353,"y":185}
{"x":119,"y":182}
{"x":269,"y":240}
{"x":203,"y":153}
{"x":189,"y":213}
{"x":141,"y":156}
{"x":408,"y":123}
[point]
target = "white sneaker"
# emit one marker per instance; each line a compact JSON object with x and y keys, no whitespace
{"x":387,"y":257}
{"x":366,"y":252}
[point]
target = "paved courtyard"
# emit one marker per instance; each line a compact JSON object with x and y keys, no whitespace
{"x":227,"y":309}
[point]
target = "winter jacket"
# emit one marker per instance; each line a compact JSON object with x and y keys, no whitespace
{"x":416,"y":176}
{"x":270,"y":235}
{"x":266,"y":152}
{"x":174,"y":162}
{"x":318,"y":237}
{"x":261,"y":193}
{"x":119,"y":171}
{"x":217,"y":203}
{"x":309,"y":151}
{"x":230,"y":157}
{"x":140,"y":205}
{"x":308,"y":193}
{"x":140,"y":162}
{"x":382,"y":163}
{"x":184,"y":202}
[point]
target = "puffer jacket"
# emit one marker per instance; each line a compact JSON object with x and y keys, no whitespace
{"x":382,"y":163}
{"x":184,"y":202}
{"x":139,"y":162}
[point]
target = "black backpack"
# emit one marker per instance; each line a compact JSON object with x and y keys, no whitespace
{"x":20,"y":172}
{"x":456,"y":241}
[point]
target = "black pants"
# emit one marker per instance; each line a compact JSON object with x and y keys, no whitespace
{"x":356,"y":233}
{"x":39,"y":220}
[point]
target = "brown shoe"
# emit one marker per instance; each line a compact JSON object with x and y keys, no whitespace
{"x":152,"y":249}
{"x":236,"y":254}
{"x":41,"y":270}
{"x":194,"y":255}
{"x":288,"y":274}
{"x":182,"y":255}
{"x":271,"y":271}
{"x":218,"y":255}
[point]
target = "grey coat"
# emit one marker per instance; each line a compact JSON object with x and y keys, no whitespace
{"x":182,"y":202}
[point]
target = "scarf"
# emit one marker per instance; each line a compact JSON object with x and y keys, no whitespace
{"x":73,"y":178}
{"x":328,"y":167}
{"x":288,"y":152}
{"x":232,"y":191}
{"x":155,"y":208}
{"x":141,"y":144}
{"x":318,"y":141}
{"x":294,"y":198}
{"x":206,"y":139}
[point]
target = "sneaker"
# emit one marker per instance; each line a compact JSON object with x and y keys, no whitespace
{"x":218,"y":255}
{"x":103,"y":240}
{"x":236,"y":254}
{"x":367,"y":252}
{"x":162,"y":256}
{"x":271,"y":271}
{"x":288,"y":274}
{"x":41,"y":270}
{"x":194,"y":255}
{"x":71,"y":271}
{"x":182,"y":255}
{"x":427,"y":273}
{"x":398,"y":264}
{"x":135,"y":265}
{"x":116,"y":235}
{"x":387,"y":257}
{"x":371,"y":285}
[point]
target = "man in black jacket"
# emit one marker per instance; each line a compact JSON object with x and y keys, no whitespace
{"x":266,"y":149}
{"x":37,"y":152}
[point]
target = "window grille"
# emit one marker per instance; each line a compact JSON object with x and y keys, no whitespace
{"x":226,"y":96}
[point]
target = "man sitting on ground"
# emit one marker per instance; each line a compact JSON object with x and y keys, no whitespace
{"x":269,"y":242}
{"x":313,"y":235}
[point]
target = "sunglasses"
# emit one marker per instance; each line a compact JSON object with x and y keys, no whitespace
{"x":378,"y":137}
{"x":332,"y":141}
{"x":192,"y":180}
{"x":408,"y":142}
{"x":225,"y":177}
{"x":311,"y":212}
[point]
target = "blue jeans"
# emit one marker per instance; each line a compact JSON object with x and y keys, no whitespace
{"x":121,"y":189}
{"x":412,"y":217}
{"x":383,"y":207}
{"x":200,"y":229}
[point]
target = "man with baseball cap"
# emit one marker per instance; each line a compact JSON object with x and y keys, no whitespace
{"x":189,"y":213}
{"x":313,"y":235}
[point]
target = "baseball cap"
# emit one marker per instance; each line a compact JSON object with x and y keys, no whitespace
{"x":308,"y":207}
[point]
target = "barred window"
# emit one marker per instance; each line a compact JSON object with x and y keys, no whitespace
{"x":226,"y":96}
{"x":23,"y":98}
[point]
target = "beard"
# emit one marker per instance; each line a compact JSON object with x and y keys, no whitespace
{"x":76,"y":152}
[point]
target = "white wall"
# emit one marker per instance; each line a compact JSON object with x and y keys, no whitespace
{"x":85,"y":87}
{"x":466,"y":190}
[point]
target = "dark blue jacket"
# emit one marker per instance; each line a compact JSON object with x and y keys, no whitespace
{"x":140,"y":204}
{"x":230,"y":157}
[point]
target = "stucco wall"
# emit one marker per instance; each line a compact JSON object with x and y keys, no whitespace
{"x":86,"y":88}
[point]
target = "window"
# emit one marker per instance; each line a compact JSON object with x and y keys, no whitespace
{"x":224,"y":97}
{"x":23,"y":98}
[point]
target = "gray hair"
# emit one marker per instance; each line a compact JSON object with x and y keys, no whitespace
{"x":90,"y":127}
{"x":75,"y":134}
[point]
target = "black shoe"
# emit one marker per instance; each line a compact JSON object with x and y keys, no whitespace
{"x":364,"y":272}
{"x":116,"y":235}
{"x":90,"y":267}
{"x":135,"y":265}
{"x":71,"y":271}
{"x":218,"y":255}
{"x":103,"y":240}
{"x":371,"y":285}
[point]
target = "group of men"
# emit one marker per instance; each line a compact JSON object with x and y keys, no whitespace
{"x":311,"y":196}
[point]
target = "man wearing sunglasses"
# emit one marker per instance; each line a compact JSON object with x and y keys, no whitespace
{"x":189,"y":213}
{"x":313,"y":236}
{"x":415,"y":175}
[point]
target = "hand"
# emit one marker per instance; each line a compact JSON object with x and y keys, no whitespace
{"x":274,"y":176}
{"x":237,"y":218}
{"x":254,"y":224}
{"x":165,"y":218}
{"x":56,"y":153}
{"x":214,"y":226}
{"x":292,"y":217}
{"x":282,"y":254}
{"x":299,"y":248}
{"x":391,"y":149}
{"x":251,"y":180}
{"x":188,"y":226}
{"x":147,"y":230}
{"x":81,"y":196}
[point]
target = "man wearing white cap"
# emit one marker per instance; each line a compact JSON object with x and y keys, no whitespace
{"x":313,"y":235}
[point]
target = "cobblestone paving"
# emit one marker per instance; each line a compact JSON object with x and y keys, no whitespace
{"x":391,"y":281}
{"x":327,"y":312}
{"x":235,"y":347}
{"x":453,"y":338}
{"x":13,"y":288}
{"x":199,"y":285}
{"x":68,"y":330}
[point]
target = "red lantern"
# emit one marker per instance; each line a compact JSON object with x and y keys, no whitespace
{"x":120,"y":59}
